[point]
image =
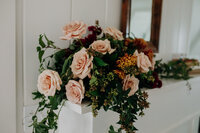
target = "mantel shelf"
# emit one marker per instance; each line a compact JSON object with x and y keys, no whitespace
{"x":79,"y":108}
{"x":167,"y":84}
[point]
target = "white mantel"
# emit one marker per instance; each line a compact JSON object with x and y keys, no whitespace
{"x":174,"y":108}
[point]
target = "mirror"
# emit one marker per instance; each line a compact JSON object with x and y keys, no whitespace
{"x":142,"y":18}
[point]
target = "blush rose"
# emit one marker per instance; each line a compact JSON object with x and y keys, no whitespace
{"x":102,"y":46}
{"x":74,"y":30}
{"x":115,"y":33}
{"x":132,"y":83}
{"x":143,"y":62}
{"x":48,"y":82}
{"x":81,"y":64}
{"x":75,"y":91}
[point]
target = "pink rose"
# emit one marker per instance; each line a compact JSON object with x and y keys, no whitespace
{"x":132,"y":83}
{"x":74,"y":30}
{"x":48,"y":82}
{"x":115,"y":33}
{"x":143,"y":62}
{"x":102,"y":46}
{"x":81,"y":64}
{"x":75,"y":91}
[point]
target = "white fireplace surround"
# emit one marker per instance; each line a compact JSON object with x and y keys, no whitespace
{"x":174,"y":108}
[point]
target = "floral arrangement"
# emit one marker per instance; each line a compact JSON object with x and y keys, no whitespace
{"x":101,"y":67}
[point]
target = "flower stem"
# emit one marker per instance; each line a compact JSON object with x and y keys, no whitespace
{"x":59,"y":112}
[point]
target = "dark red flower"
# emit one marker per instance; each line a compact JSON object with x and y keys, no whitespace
{"x":68,"y":52}
{"x":92,"y":28}
{"x":159,"y":83}
{"x":95,"y":30}
{"x":154,"y":84}
{"x":99,"y":30}
{"x":155,"y":75}
{"x":83,"y":41}
{"x":91,"y":38}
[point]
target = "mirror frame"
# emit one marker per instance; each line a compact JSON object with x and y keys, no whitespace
{"x":155,"y":21}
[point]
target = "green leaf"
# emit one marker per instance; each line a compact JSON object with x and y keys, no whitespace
{"x":66,"y":65}
{"x":72,"y":47}
{"x":112,"y":130}
{"x":38,"y":49}
{"x":93,"y":80}
{"x":49,"y":42}
{"x":34,"y":117}
{"x":37,"y":95}
{"x":99,"y":62}
{"x":51,"y":119}
{"x":94,"y":93}
{"x":40,"y":54}
{"x":60,"y":54}
{"x":42,"y":44}
{"x":113,"y":57}
{"x":53,"y":102}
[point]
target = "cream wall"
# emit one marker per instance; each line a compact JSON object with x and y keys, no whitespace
{"x":7,"y":67}
{"x":175,"y":27}
{"x":193,"y":49}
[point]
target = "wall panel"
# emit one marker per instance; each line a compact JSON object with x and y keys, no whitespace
{"x":41,"y":16}
{"x":89,"y":11}
{"x":113,"y":13}
{"x":7,"y":67}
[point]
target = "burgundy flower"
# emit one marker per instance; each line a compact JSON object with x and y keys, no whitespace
{"x":154,"y":84}
{"x":99,"y":30}
{"x":155,"y":75}
{"x":91,"y":38}
{"x":92,"y":28}
{"x":68,"y":52}
{"x":95,"y":30}
{"x":83,"y":41}
{"x":159,"y":83}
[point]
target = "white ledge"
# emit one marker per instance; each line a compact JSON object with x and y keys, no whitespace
{"x":171,"y":83}
{"x":79,"y":108}
{"x":167,"y":84}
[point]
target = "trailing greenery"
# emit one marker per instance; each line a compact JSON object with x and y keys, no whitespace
{"x":176,"y":69}
{"x":51,"y":104}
